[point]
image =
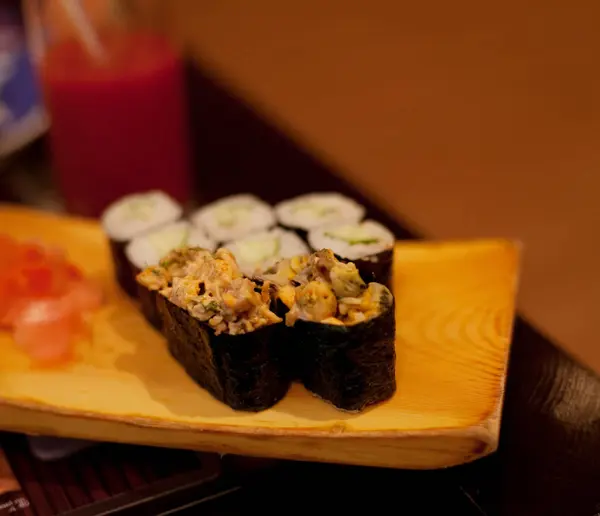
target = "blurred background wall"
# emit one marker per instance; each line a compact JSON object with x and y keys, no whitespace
{"x":464,"y":118}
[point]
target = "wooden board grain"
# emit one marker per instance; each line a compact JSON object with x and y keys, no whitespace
{"x":455,"y":308}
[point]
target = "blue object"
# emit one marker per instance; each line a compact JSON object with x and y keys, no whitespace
{"x":22,"y":114}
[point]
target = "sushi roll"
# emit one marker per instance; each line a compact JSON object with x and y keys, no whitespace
{"x":315,"y":210}
{"x":343,"y":330}
{"x":129,"y":217}
{"x":259,"y":251}
{"x":220,"y":328}
{"x":233,"y":217}
{"x":368,"y":244}
{"x":164,"y":243}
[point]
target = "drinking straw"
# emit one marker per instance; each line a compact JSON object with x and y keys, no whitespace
{"x":84,"y":29}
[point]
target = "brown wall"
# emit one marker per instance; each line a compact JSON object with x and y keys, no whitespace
{"x":467,"y":118}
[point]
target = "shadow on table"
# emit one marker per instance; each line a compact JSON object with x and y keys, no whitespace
{"x":167,"y":383}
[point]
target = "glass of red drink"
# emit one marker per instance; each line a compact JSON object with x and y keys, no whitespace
{"x":118,"y":123}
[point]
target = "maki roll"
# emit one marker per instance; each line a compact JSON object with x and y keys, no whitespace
{"x":148,"y":249}
{"x":220,"y":328}
{"x":343,"y":330}
{"x":311,"y":211}
{"x":234,"y":217}
{"x":164,"y":243}
{"x":258,"y":252}
{"x":368,"y":244}
{"x":129,"y":217}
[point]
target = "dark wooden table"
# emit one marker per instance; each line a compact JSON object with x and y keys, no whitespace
{"x":548,"y":462}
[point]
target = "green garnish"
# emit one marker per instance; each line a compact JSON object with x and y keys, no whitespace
{"x":212,"y":306}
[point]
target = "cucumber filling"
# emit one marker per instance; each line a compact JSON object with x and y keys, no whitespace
{"x":315,"y":209}
{"x":352,"y":235}
{"x":229,"y":216}
{"x":164,"y":241}
{"x":257,"y":251}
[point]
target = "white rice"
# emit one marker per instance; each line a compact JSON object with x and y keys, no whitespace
{"x":352,"y":241}
{"x":259,"y":251}
{"x":233,"y":217}
{"x":149,"y":248}
{"x":315,"y":210}
{"x":139,"y":213}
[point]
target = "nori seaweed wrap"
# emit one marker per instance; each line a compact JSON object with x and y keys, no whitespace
{"x":123,"y":271}
{"x":243,"y":371}
{"x":352,"y":367}
{"x":375,"y":267}
{"x":219,"y":326}
{"x":343,"y":330}
{"x":154,"y":278}
{"x":148,"y":299}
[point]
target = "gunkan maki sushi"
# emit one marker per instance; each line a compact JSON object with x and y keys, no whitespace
{"x":315,"y":210}
{"x":234,"y":217}
{"x":219,"y":326}
{"x":258,"y":252}
{"x":368,"y":244}
{"x":147,"y":249}
{"x":343,"y":330}
{"x":158,"y":273}
{"x":129,"y":217}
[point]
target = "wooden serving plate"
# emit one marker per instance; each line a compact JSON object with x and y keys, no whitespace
{"x":455,"y":308}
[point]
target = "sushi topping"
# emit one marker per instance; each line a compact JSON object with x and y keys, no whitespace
{"x":154,"y":278}
{"x":323,"y":289}
{"x":314,"y":301}
{"x":323,"y":266}
{"x":173,"y":264}
{"x":213,"y":289}
{"x":44,"y":300}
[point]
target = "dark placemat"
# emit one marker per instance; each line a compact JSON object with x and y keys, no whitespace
{"x":113,"y":478}
{"x":309,"y":488}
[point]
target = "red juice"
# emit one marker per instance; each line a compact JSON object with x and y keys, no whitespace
{"x":117,"y":126}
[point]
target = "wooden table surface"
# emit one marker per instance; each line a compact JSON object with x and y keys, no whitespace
{"x":547,"y":463}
